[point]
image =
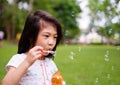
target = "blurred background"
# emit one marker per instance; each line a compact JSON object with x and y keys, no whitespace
{"x":90,"y":51}
{"x":83,"y":21}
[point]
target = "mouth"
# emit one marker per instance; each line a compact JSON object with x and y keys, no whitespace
{"x":49,"y":52}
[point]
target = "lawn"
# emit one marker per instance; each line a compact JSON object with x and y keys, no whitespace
{"x":79,"y":65}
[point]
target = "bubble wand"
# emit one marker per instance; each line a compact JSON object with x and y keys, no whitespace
{"x":51,"y":52}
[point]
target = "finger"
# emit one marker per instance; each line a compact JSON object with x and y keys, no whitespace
{"x":38,"y":56}
{"x":36,"y":48}
{"x":45,"y":52}
{"x":38,"y":52}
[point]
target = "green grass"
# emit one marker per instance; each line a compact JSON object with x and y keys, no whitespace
{"x":86,"y":65}
{"x":79,"y":65}
{"x":6,"y":51}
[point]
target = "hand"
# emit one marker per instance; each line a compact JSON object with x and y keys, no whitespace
{"x":34,"y":53}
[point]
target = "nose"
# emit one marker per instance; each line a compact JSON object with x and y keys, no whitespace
{"x":51,"y":42}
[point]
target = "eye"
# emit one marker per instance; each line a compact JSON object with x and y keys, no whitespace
{"x":46,"y":36}
{"x":56,"y":37}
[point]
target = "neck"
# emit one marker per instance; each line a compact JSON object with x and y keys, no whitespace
{"x":42,"y":58}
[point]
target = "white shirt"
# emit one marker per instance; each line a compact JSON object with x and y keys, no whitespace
{"x":39,"y":73}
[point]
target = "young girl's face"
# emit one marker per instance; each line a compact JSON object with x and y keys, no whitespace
{"x":47,"y":38}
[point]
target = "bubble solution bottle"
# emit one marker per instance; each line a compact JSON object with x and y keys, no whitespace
{"x":57,"y":79}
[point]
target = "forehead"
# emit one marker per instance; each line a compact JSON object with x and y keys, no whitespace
{"x":47,"y":26}
{"x":49,"y":29}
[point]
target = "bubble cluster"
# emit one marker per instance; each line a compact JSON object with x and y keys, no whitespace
{"x":106,"y":57}
{"x":96,"y":80}
{"x":71,"y":56}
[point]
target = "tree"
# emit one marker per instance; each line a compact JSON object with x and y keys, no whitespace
{"x":12,"y":19}
{"x":66,"y":12}
{"x":106,"y":10}
{"x":6,"y":17}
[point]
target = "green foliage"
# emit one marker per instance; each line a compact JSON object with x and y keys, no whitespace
{"x":108,"y":31}
{"x":107,"y":10}
{"x":20,"y":19}
{"x":67,"y":13}
{"x":6,"y":13}
{"x":12,"y":19}
{"x":65,"y":10}
{"x":116,"y":26}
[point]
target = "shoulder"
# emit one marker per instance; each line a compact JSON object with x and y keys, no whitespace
{"x":15,"y":60}
{"x":18,"y":56}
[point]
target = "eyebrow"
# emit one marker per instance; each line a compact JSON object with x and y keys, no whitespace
{"x":50,"y":33}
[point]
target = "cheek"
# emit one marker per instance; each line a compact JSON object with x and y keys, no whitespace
{"x":39,"y":41}
{"x":55,"y":43}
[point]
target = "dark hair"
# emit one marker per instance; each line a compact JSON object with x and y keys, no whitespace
{"x":32,"y":28}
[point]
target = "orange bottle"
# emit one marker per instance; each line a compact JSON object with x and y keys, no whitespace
{"x":57,"y":79}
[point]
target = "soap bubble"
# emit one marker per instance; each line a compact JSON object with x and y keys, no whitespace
{"x":107,"y":52}
{"x":112,"y":67}
{"x":96,"y":80}
{"x":71,"y":56}
{"x":66,"y":32}
{"x":108,"y":75}
{"x":73,"y":13}
{"x":106,"y":57}
{"x":79,"y":49}
{"x":118,"y":48}
{"x":110,"y":31}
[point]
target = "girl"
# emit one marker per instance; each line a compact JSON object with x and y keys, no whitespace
{"x":33,"y":64}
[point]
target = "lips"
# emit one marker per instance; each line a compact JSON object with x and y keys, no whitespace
{"x":50,"y":49}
